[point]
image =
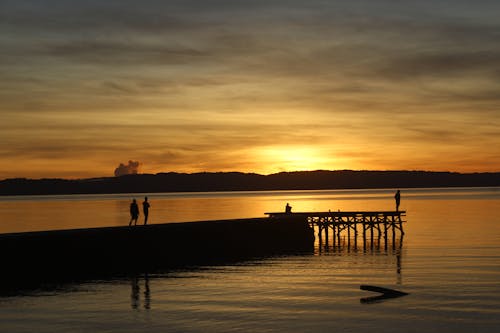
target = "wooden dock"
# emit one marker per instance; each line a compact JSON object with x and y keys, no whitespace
{"x":382,"y":223}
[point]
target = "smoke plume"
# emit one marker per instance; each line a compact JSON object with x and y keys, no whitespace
{"x":131,"y":168}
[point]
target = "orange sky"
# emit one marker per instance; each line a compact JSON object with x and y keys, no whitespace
{"x":252,"y":86}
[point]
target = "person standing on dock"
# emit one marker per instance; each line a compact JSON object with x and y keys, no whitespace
{"x":134,"y":212}
{"x":288,"y":208}
{"x":145,"y":209}
{"x":397,"y":197}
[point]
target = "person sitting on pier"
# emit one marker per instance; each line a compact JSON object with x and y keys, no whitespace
{"x":288,"y":208}
{"x":134,"y":212}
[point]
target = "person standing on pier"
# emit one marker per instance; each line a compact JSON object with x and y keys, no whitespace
{"x":288,"y":208}
{"x":145,"y":209}
{"x":397,"y":197}
{"x":134,"y":212}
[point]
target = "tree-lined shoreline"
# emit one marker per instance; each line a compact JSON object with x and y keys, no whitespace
{"x":237,"y":181}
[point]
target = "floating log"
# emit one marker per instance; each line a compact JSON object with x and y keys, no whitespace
{"x":386,"y":293}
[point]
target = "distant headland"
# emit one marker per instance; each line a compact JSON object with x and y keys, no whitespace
{"x":237,"y":181}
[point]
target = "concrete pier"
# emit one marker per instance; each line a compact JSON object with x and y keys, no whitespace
{"x":38,"y":257}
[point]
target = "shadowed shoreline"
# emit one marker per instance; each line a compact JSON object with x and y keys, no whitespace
{"x":236,"y":181}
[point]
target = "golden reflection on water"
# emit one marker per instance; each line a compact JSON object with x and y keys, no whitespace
{"x":449,"y":264}
{"x":30,"y":215}
{"x":450,"y":216}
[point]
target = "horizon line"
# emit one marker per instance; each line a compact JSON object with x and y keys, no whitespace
{"x":251,"y":173}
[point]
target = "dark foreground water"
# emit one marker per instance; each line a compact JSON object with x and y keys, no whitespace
{"x":449,"y":262}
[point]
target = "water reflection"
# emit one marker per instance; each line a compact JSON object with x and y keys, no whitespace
{"x":135,"y":296}
{"x":398,"y":269}
{"x":347,"y":244}
{"x":376,"y":247}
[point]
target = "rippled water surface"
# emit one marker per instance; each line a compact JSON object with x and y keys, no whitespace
{"x":448,"y":262}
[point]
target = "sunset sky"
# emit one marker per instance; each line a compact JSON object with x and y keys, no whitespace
{"x":253,"y":86}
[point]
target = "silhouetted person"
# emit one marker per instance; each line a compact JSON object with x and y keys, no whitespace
{"x":288,"y":208}
{"x":134,"y":212}
{"x":145,"y":209}
{"x":397,"y":197}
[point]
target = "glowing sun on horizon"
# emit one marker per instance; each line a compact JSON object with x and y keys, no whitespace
{"x":293,"y":158}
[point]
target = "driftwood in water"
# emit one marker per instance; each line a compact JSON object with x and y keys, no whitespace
{"x":386,"y":293}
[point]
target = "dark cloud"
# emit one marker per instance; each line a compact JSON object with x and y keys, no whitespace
{"x":317,"y":41}
{"x":92,"y":16}
{"x":120,"y":53}
{"x":438,"y":63}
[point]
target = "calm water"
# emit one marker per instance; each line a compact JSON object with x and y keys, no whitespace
{"x":449,"y":263}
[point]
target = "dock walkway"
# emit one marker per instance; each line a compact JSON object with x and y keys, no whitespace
{"x":32,"y":259}
{"x":385,"y":223}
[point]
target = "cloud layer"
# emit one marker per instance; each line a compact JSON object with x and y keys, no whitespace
{"x":216,"y":85}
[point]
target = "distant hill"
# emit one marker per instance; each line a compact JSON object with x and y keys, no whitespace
{"x":236,"y":181}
